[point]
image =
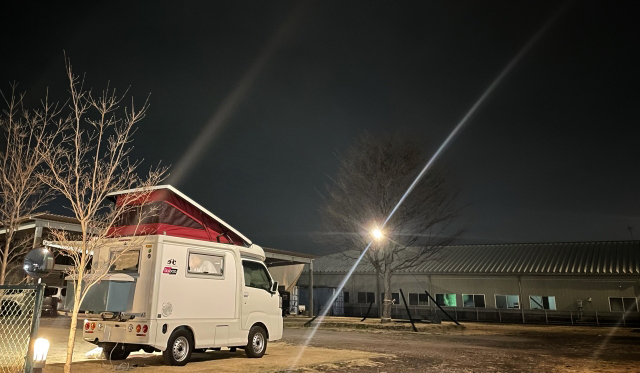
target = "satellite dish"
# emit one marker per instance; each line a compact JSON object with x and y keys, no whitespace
{"x":39,"y":262}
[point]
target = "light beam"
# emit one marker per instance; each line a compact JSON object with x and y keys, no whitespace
{"x":514,"y":61}
{"x":230,"y":104}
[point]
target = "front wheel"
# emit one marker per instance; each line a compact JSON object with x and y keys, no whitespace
{"x":257,"y":343}
{"x":179,"y":348}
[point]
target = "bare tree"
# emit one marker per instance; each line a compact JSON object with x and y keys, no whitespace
{"x":22,"y":191}
{"x":91,"y":162}
{"x":372,"y":178}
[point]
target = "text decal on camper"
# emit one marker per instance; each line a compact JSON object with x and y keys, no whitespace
{"x":169,"y":270}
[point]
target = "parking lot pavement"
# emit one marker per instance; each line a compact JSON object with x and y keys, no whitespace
{"x":486,"y":348}
{"x":279,"y":356}
{"x":477,"y":348}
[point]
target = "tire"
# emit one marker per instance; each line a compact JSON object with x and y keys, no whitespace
{"x":179,"y":348}
{"x":116,"y":351}
{"x":54,"y":309}
{"x":257,"y":343}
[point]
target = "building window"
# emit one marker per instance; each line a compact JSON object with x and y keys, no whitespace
{"x":366,"y":298}
{"x":345,"y":296}
{"x":394,"y":296}
{"x":627,"y":304}
{"x":507,"y":301}
{"x":418,"y":299}
{"x":473,"y":300}
{"x":537,"y":302}
{"x":446,"y":300}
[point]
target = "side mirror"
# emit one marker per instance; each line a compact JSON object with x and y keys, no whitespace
{"x":38,"y":262}
{"x":274,"y":287}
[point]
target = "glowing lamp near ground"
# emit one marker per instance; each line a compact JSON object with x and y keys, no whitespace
{"x":377,"y":234}
{"x":40,"y":350}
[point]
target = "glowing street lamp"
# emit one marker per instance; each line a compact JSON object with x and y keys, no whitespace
{"x":377,"y":234}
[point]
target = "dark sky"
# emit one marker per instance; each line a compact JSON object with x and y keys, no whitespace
{"x":553,"y":154}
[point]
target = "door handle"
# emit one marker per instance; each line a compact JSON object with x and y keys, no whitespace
{"x":246,"y":295}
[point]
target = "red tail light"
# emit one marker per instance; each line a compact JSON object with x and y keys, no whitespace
{"x":138,"y":328}
{"x":86,"y":325}
{"x":145,"y":329}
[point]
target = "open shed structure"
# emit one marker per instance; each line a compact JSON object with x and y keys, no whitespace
{"x":286,"y":267}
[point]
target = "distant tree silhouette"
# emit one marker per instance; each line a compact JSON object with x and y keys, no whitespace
{"x":372,"y":178}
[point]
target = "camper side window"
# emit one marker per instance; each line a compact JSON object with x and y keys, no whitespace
{"x":206,"y":264}
{"x":124,"y":261}
{"x":256,"y":276}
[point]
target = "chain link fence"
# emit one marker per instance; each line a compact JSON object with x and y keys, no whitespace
{"x":19,"y":315}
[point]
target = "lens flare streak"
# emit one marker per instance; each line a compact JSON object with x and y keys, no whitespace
{"x":514,"y":61}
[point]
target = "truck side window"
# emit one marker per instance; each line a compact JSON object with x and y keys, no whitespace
{"x":206,"y":264}
{"x":256,"y":276}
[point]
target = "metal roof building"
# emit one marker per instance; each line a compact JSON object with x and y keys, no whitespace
{"x":610,"y":257}
{"x":572,"y":277}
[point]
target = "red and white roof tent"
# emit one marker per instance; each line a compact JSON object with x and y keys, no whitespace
{"x":174,"y":214}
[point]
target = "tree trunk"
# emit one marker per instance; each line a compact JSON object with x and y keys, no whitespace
{"x":378,"y":292}
{"x":386,"y":304}
{"x":5,"y":259}
{"x":74,"y":322}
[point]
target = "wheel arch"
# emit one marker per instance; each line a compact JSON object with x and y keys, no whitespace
{"x":187,"y":328}
{"x":263,"y":326}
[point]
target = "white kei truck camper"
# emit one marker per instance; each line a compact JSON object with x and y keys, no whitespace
{"x":190,"y":283}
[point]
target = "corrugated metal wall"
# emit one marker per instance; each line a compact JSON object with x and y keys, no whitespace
{"x":566,"y":289}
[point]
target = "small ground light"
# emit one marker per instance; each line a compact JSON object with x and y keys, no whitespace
{"x":40,"y":350}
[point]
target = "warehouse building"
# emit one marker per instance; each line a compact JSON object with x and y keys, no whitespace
{"x":564,"y":282}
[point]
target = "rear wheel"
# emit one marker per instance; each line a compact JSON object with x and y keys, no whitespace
{"x":257,"y":343}
{"x":54,"y":308}
{"x":179,"y":348}
{"x":115,"y":351}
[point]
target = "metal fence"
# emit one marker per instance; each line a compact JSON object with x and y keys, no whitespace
{"x":19,"y":317}
{"x":551,"y":317}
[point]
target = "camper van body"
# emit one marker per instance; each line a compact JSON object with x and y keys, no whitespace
{"x":144,"y":304}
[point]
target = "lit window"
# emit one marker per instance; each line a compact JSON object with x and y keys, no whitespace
{"x":473,"y":300}
{"x":507,"y":301}
{"x":537,"y":302}
{"x":446,"y":300}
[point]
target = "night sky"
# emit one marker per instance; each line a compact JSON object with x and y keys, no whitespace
{"x":552,"y":155}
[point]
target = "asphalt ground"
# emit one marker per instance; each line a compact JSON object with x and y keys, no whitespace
{"x":481,"y":347}
{"x":359,"y":348}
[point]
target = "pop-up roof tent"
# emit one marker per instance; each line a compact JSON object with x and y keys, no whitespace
{"x":165,"y":210}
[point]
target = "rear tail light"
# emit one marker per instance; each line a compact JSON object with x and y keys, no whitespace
{"x":138,"y":327}
{"x":87,"y":325}
{"x":93,"y":325}
{"x":145,"y":329}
